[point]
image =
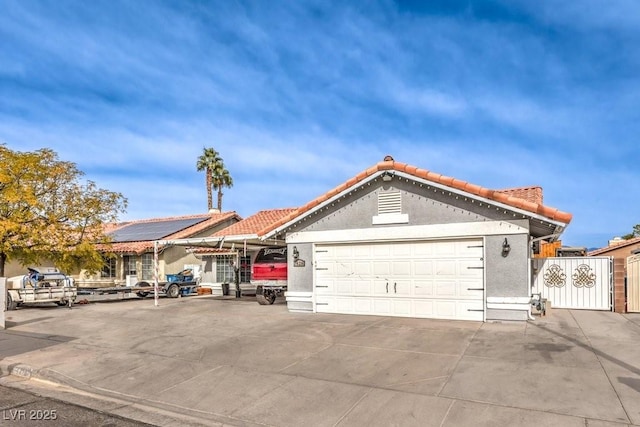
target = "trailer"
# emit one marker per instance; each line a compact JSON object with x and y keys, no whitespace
{"x":181,"y":284}
{"x":42,"y":285}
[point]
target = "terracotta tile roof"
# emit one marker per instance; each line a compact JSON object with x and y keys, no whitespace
{"x":256,"y":222}
{"x":622,"y":244}
{"x":209,"y":220}
{"x":531,"y":194}
{"x":501,"y":196}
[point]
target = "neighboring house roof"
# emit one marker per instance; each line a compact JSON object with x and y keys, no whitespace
{"x":615,"y":247}
{"x":177,"y":227}
{"x":256,"y":222}
{"x":507,"y":197}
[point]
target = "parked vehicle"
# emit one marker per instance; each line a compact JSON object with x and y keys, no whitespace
{"x":269,"y":273}
{"x":182,"y":283}
{"x":44,"y":285}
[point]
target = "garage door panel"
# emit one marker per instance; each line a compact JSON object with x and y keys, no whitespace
{"x":443,"y":249}
{"x":341,"y":252}
{"x":470,"y":310}
{"x":380,"y":251}
{"x":380,"y":287}
{"x":344,"y":287}
{"x":325,"y":287}
{"x":441,"y":279}
{"x":401,"y":288}
{"x":401,"y":307}
{"x":444,"y":268}
{"x":362,"y":268}
{"x":401,"y":268}
{"x":363,"y":287}
{"x":401,"y":251}
{"x":382,"y":268}
{"x":342,"y":268}
{"x":363,"y":306}
{"x":471,"y":289}
{"x":345,"y":305}
{"x":423,"y":267}
{"x":361,"y":251}
{"x":446,"y":288}
{"x":423,"y":251}
{"x":325,"y":304}
{"x":470,"y":268}
{"x":424,"y":308}
{"x":423,"y":288}
{"x":382,"y":306}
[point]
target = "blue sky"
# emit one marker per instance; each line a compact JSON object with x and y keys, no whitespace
{"x":299,"y":96}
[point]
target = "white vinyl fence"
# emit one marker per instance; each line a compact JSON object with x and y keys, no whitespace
{"x":574,"y":282}
{"x":633,"y":284}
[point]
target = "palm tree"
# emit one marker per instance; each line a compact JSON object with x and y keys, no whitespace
{"x":207,"y":162}
{"x":217,"y":177}
{"x":221,"y":178}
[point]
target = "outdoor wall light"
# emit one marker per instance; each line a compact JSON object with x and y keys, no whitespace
{"x":387,"y":176}
{"x":506,"y":248}
{"x":296,"y":254}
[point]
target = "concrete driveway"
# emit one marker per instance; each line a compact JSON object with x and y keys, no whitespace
{"x":210,"y":361}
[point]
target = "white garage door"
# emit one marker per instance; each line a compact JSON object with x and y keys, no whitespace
{"x":436,"y":279}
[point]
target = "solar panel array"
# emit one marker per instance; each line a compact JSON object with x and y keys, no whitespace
{"x":144,"y":231}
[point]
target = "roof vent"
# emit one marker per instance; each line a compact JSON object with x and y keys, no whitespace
{"x":390,"y":209}
{"x":389,"y":203}
{"x":388,"y":158}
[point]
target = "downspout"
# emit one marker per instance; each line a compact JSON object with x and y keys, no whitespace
{"x":530,"y":274}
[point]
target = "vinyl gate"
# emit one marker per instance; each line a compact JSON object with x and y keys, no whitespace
{"x":580,"y":282}
{"x":633,"y":284}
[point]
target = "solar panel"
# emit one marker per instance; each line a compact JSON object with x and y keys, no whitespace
{"x":144,"y":231}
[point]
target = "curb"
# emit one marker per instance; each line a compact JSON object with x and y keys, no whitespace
{"x":17,"y":369}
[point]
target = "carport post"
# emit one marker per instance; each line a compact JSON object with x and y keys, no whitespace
{"x":236,"y":275}
{"x":3,"y":301}
{"x":155,"y":273}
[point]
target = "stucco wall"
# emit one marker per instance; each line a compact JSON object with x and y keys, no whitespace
{"x":176,"y":257}
{"x":423,"y":207}
{"x":300,"y":279}
{"x":507,"y":276}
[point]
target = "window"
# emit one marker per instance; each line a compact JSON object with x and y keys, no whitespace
{"x":130,"y":265}
{"x":109,"y":268}
{"x":245,"y":269}
{"x":224,"y":269}
{"x":147,"y":266}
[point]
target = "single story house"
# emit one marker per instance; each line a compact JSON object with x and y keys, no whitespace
{"x":397,"y":240}
{"x":130,"y":256}
{"x":626,"y":288}
{"x":618,"y":248}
